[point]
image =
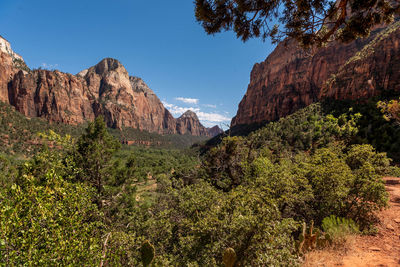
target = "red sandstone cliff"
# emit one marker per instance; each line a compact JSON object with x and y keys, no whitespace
{"x":188,"y":123}
{"x":105,"y":89}
{"x":8,"y":67}
{"x":290,"y":79}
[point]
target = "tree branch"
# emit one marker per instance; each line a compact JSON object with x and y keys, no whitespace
{"x":103,"y":256}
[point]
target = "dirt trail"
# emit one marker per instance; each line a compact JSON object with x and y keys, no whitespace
{"x":382,"y":250}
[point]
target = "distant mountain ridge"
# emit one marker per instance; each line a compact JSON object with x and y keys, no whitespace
{"x":290,"y":78}
{"x":105,"y":89}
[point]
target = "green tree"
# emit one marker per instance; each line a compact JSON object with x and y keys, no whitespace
{"x":286,"y":184}
{"x":367,"y":192}
{"x":224,"y":164}
{"x":391,"y":110}
{"x":46,"y":219}
{"x":94,"y":153}
{"x":198,"y":222}
{"x":309,"y":22}
{"x":330,"y":178}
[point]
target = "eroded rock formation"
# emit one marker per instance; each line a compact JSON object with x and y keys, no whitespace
{"x":105,"y":89}
{"x":188,"y":123}
{"x":291,"y":78}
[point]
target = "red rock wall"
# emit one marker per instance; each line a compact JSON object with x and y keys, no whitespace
{"x":290,"y":78}
{"x":105,"y":89}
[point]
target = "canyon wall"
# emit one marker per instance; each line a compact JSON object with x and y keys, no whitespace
{"x":105,"y":89}
{"x":291,"y":78}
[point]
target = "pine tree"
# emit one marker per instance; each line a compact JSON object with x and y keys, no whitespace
{"x":309,"y":22}
{"x":93,"y":155}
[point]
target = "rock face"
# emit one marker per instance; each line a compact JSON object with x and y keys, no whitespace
{"x":6,"y":73}
{"x":8,"y":58}
{"x":290,"y":79}
{"x":105,"y":89}
{"x":213,"y":131}
{"x":5,"y":47}
{"x":188,"y":123}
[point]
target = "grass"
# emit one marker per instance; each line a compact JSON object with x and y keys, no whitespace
{"x":330,"y":256}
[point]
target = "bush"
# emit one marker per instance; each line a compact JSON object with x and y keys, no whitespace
{"x":46,"y":220}
{"x":339,"y":228}
{"x":286,"y":184}
{"x":200,"y":222}
{"x":394,"y":171}
{"x":330,"y":179}
{"x":367,"y":193}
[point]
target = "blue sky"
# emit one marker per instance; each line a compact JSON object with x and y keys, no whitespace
{"x":159,"y":41}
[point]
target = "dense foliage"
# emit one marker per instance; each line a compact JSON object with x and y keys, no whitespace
{"x":373,"y":126}
{"x":86,"y":202}
{"x":309,"y":22}
{"x":45,"y":219}
{"x":391,"y":109}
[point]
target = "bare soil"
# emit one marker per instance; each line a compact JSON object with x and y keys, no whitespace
{"x":381,"y":250}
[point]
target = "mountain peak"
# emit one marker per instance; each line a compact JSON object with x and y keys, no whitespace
{"x":104,"y":89}
{"x":5,"y":47}
{"x":215,"y":130}
{"x":107,"y":65}
{"x":188,"y":122}
{"x":189,"y":114}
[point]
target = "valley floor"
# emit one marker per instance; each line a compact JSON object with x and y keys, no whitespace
{"x":381,"y":250}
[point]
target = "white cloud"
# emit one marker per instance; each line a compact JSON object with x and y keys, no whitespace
{"x":49,"y":66}
{"x":185,"y":100}
{"x":177,"y":110}
{"x":208,"y":119}
{"x":212,"y":117}
{"x":210,"y":106}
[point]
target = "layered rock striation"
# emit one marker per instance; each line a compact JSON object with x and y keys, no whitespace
{"x":105,"y":89}
{"x":291,"y":78}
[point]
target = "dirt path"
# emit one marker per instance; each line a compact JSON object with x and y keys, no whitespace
{"x":382,"y":250}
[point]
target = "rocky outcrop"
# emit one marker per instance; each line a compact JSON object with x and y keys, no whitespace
{"x":5,"y":47}
{"x":56,"y":96}
{"x":188,"y":123}
{"x":214,"y":131}
{"x":125,"y":101}
{"x":291,"y":78}
{"x":6,"y":73}
{"x":105,"y":89}
{"x":9,"y":65}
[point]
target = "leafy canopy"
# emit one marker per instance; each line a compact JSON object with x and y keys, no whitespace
{"x":308,"y":22}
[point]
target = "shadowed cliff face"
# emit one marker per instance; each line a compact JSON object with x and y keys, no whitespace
{"x":215,"y":130}
{"x":290,"y":78}
{"x":105,"y":89}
